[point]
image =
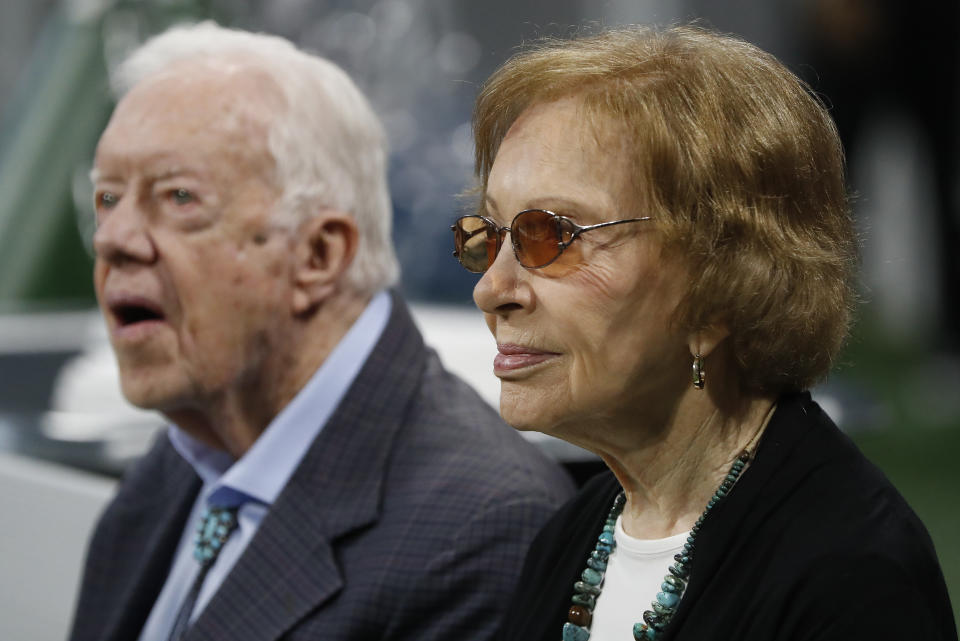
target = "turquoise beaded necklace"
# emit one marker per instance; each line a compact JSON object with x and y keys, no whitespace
{"x":587,"y":589}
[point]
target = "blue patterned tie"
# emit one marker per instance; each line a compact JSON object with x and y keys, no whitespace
{"x":216,"y":525}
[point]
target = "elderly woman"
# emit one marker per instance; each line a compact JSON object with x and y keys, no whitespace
{"x":656,"y":203}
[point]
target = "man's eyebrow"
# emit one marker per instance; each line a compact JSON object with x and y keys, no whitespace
{"x":97,"y":175}
{"x":175,"y":172}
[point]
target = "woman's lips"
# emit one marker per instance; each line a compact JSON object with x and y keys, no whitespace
{"x":515,"y":357}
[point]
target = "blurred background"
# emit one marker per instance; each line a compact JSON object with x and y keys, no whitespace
{"x":890,"y":72}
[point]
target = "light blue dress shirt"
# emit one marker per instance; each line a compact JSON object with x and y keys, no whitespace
{"x":261,"y":474}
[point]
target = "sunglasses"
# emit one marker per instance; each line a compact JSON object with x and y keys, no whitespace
{"x":538,"y":237}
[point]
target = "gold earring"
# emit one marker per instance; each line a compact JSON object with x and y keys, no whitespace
{"x":699,"y":375}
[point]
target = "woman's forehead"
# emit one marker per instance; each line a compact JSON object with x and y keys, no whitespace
{"x":552,"y":158}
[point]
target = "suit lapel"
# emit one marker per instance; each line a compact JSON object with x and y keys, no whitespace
{"x":289,"y":569}
{"x":154,"y":519}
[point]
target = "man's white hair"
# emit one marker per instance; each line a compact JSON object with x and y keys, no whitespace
{"x":329,"y":146}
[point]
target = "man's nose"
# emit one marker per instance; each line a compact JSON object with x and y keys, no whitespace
{"x":123,"y":236}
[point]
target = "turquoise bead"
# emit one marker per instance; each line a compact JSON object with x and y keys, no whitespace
{"x":585,"y":600}
{"x":639,"y":632}
{"x":668,"y":599}
{"x":572,"y":632}
{"x":591,"y":576}
{"x":666,"y":587}
{"x":604,"y":548}
{"x":601,"y":555}
{"x":586,"y":588}
{"x":606,"y":537}
{"x":674,"y":582}
{"x":596,"y":564}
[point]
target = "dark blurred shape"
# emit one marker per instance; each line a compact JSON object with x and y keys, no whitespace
{"x":867,"y":55}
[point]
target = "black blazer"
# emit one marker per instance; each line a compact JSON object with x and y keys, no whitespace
{"x":408,"y":518}
{"x":812,"y":544}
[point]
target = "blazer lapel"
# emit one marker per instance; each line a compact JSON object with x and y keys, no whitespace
{"x":289,"y":569}
{"x":155,"y":519}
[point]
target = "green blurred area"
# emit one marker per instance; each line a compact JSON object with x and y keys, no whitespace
{"x":47,"y":138}
{"x":916,"y":441}
{"x":923,"y":465}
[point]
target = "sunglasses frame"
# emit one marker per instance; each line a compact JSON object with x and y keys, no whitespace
{"x":501,"y":233}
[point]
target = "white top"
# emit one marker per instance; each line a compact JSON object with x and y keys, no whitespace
{"x":635,"y":571}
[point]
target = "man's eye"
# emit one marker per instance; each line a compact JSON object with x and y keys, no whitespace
{"x":181,"y":196}
{"x":107,"y":200}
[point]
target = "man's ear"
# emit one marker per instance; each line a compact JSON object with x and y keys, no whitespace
{"x":325,"y":247}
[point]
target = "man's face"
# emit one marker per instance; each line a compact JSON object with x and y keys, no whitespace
{"x":192,"y":279}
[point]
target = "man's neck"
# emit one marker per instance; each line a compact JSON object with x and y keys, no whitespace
{"x":233,"y":419}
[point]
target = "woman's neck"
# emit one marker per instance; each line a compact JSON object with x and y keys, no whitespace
{"x":668,"y":482}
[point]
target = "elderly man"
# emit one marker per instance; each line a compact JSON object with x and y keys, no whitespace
{"x":323,"y":477}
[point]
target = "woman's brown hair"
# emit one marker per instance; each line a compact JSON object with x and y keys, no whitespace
{"x":739,"y":164}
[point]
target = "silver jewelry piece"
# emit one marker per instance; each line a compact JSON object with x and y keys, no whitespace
{"x":699,"y":374}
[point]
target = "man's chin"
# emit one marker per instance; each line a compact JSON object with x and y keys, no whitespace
{"x":149,"y":395}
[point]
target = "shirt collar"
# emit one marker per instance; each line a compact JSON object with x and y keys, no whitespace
{"x":266,"y":467}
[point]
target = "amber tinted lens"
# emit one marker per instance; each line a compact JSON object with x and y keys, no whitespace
{"x":536,"y":237}
{"x":475,"y":242}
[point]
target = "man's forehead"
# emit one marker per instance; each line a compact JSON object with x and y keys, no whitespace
{"x":191,"y":99}
{"x":223,"y":83}
{"x":181,"y":110}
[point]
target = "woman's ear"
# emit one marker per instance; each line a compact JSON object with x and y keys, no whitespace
{"x":703,"y":341}
{"x":325,"y":248}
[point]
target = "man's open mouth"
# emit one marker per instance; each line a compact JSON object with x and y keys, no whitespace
{"x":130,"y":313}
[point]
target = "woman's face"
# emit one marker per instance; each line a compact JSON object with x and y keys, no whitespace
{"x":585,"y":342}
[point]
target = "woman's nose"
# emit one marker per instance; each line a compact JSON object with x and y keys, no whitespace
{"x":502,"y":287}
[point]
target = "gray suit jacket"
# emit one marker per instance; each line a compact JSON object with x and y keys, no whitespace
{"x":408,"y":518}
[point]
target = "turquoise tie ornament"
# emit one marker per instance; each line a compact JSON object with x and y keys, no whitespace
{"x":215,"y":527}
